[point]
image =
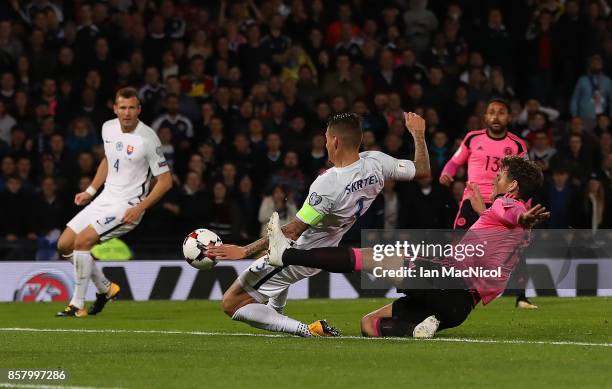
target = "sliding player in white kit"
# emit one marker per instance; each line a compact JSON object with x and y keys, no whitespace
{"x":132,"y":153}
{"x":335,"y":200}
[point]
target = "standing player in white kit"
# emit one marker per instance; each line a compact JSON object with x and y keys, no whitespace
{"x":335,"y":200}
{"x":132,"y":155}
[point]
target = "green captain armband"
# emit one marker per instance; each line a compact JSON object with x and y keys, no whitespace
{"x":309,"y":215}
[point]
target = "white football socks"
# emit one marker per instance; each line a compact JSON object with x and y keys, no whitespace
{"x":279,"y":301}
{"x":264,"y":317}
{"x":99,"y":279}
{"x":82,"y":272}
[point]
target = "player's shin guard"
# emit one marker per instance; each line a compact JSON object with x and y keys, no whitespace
{"x":266,"y":318}
{"x":392,"y":327}
{"x":331,"y":259}
{"x":82,"y":272}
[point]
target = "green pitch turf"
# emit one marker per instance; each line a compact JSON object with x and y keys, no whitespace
{"x":165,"y":344}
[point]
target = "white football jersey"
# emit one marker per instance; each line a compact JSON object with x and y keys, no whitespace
{"x":132,"y":159}
{"x":340,"y":195}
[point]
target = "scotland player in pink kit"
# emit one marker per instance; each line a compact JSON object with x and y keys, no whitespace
{"x":483,"y":150}
{"x":433,"y":304}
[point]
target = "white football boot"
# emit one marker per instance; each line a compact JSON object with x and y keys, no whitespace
{"x":427,"y":328}
{"x":277,"y":242}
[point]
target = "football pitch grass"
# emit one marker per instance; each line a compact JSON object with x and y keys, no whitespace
{"x":171,"y":344}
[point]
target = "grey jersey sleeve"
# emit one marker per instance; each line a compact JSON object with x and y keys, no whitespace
{"x":392,"y":168}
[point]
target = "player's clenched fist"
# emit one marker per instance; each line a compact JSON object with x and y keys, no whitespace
{"x":446,"y":180}
{"x":415,"y":124}
{"x":82,"y":198}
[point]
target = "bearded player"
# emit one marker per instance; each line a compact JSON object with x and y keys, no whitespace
{"x":432,"y":304}
{"x":132,"y":154}
{"x":483,"y":150}
{"x":335,"y":200}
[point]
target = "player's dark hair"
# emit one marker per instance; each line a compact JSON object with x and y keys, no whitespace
{"x":527,"y":173}
{"x":499,"y":101}
{"x":346,"y":126}
{"x":127,"y":93}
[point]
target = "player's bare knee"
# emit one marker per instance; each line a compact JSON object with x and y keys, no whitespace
{"x":84,"y":241}
{"x":64,"y":246}
{"x":368,"y":323}
{"x":229,"y":304}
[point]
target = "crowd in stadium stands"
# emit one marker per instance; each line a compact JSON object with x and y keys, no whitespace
{"x":239,"y":92}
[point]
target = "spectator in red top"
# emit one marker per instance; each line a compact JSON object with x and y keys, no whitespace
{"x":333,"y":33}
{"x":197,"y":83}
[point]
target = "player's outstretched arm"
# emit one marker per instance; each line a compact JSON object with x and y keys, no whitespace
{"x":86,"y":196}
{"x":227,"y":252}
{"x":457,"y":160}
{"x":533,"y":216}
{"x":163,"y":185}
{"x":416,"y":127}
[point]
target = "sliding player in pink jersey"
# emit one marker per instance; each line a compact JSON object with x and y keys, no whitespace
{"x":432,"y":305}
{"x":483,"y":150}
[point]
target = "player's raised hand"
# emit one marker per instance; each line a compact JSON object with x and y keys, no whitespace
{"x":478,"y":203}
{"x":226,"y":252}
{"x":415,"y":124}
{"x":82,"y":198}
{"x":533,"y":216}
{"x":133,"y":214}
{"x":446,"y":180}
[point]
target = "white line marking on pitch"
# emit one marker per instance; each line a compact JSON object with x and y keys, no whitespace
{"x":35,"y":386}
{"x":246,"y":334}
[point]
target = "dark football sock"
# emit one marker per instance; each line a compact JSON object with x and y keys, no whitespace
{"x":331,"y":259}
{"x":389,"y":326}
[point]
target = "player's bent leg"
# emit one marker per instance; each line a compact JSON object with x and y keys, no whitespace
{"x":370,"y":323}
{"x":83,"y":263}
{"x":65,"y":243}
{"x":234,"y":298}
{"x":86,"y":239}
{"x":247,"y":300}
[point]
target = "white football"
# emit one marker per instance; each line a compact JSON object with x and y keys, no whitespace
{"x":195,"y":248}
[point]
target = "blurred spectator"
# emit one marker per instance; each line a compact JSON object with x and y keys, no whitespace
{"x":592,"y":94}
{"x":589,"y":210}
{"x":49,"y":208}
{"x":342,"y":82}
{"x":81,"y":136}
{"x":224,"y":214}
{"x":316,"y":160}
{"x":181,"y":126}
{"x":17,"y":213}
{"x":290,"y":176}
{"x":425,"y":206}
{"x":439,"y":151}
{"x":280,"y":202}
{"x":7,"y":122}
{"x":560,"y":197}
{"x":247,"y":202}
{"x":193,"y":201}
{"x":541,"y":151}
{"x":420,"y":23}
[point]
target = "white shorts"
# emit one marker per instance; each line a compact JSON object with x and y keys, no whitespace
{"x":263,"y":282}
{"x":104,"y":215}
